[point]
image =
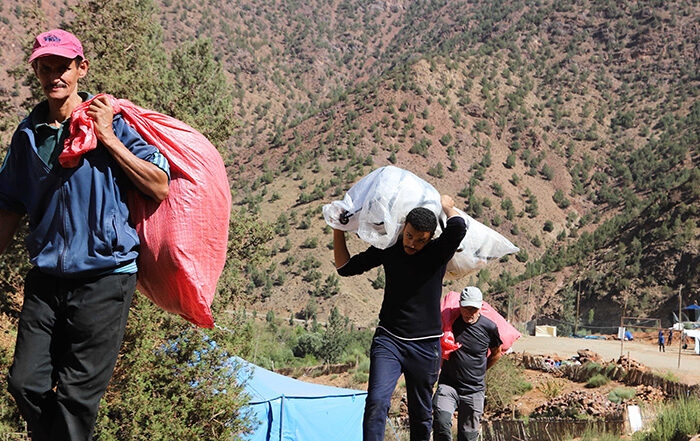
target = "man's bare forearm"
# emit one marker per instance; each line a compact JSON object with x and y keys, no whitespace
{"x":448,"y":206}
{"x":9,"y":222}
{"x":340,"y":248}
{"x":147,"y":177}
{"x":495,"y":355}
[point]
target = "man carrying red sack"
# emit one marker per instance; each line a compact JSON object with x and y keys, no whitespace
{"x":462,"y":379}
{"x":77,"y":295}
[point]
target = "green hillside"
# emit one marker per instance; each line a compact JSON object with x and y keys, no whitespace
{"x":566,"y":126}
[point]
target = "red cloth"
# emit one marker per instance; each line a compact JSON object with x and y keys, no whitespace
{"x":184,"y":239}
{"x":449,"y":307}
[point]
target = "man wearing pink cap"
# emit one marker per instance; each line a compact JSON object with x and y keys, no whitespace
{"x":80,"y":242}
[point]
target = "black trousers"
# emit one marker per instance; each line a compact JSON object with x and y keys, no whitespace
{"x":419,"y":361}
{"x":68,"y":340}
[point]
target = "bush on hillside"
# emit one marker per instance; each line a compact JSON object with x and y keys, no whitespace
{"x":504,"y":381}
{"x":676,"y":421}
{"x":597,"y":380}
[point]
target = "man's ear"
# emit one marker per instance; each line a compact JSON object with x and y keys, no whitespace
{"x":83,"y":68}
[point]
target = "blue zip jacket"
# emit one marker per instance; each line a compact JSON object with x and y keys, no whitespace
{"x":78,"y":217}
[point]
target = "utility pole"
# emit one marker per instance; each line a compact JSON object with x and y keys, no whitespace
{"x":578,"y":298}
{"x":529,"y":293}
{"x":680,"y":322}
{"x":531,"y":308}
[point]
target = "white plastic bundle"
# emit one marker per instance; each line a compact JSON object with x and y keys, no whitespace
{"x":480,"y":245}
{"x":376,"y":206}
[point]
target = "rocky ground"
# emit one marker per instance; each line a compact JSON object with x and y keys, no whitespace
{"x":551,"y":394}
{"x":646,"y":352}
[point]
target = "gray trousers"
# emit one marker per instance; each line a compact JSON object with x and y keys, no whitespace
{"x":469,"y":409}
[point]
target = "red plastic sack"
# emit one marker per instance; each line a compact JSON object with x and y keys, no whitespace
{"x":184,"y":238}
{"x":449,"y":307}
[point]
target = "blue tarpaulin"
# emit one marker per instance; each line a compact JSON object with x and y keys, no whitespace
{"x":293,"y":410}
{"x":695,"y":309}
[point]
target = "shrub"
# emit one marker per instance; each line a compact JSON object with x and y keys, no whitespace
{"x":445,"y":139}
{"x":597,"y":380}
{"x":675,"y":421}
{"x":361,"y":371}
{"x":311,"y":242}
{"x":620,"y":394}
{"x":670,"y":376}
{"x":438,"y":171}
{"x":503,"y":381}
{"x":547,"y":172}
{"x":308,"y":344}
{"x":591,"y":367}
{"x":559,"y":199}
{"x":360,"y":377}
{"x":551,"y":388}
{"x":380,"y":281}
{"x":421,"y":147}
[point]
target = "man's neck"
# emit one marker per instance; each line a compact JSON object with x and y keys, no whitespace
{"x":60,"y":110}
{"x":474,"y":319}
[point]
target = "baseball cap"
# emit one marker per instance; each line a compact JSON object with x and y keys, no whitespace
{"x":471,"y":296}
{"x":57,"y":42}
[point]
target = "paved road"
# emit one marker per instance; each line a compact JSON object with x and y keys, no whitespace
{"x":644,"y":352}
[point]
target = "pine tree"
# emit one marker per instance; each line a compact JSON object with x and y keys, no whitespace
{"x":201,"y":96}
{"x":124,"y":45}
{"x":335,"y":338}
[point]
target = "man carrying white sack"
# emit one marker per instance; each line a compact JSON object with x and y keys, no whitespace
{"x":462,"y":379}
{"x":407,"y":340}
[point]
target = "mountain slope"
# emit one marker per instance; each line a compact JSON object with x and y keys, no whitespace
{"x":559,"y":124}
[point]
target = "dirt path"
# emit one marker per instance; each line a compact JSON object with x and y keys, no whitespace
{"x":644,"y":352}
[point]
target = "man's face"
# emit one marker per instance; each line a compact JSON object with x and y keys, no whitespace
{"x":59,"y":76}
{"x":414,"y":240}
{"x":469,"y":313}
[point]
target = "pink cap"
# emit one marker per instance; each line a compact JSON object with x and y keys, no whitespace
{"x":57,"y":42}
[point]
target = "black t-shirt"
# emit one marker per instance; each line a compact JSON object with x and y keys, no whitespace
{"x":465,"y":370}
{"x":411,"y":305}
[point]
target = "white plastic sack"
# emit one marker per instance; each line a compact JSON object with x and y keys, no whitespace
{"x":480,"y":245}
{"x":376,"y":206}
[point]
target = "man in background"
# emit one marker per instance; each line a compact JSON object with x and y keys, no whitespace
{"x":662,"y":341}
{"x":462,"y":385}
